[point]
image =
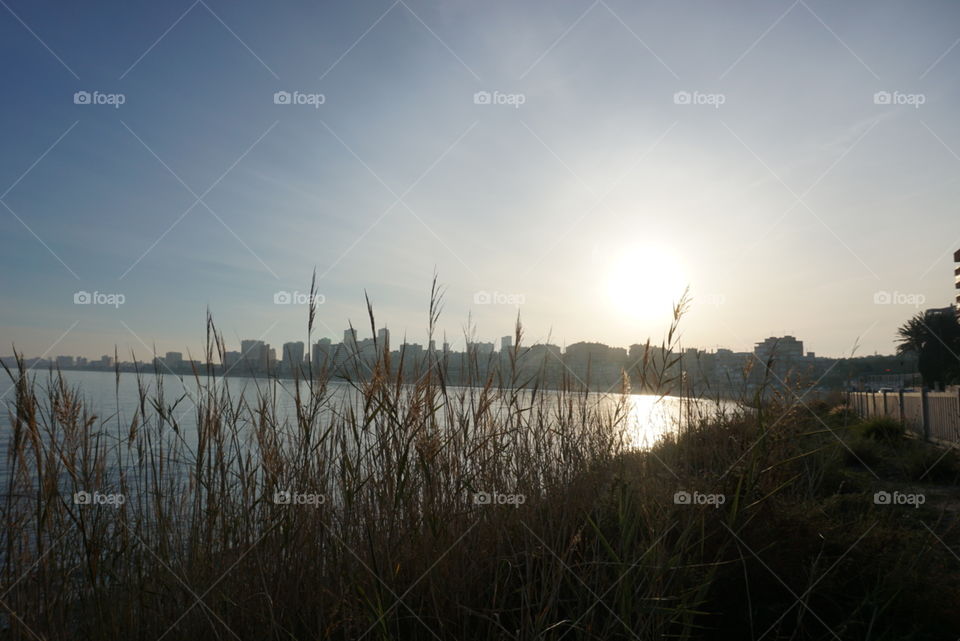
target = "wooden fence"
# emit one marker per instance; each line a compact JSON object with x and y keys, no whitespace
{"x":932,"y":416}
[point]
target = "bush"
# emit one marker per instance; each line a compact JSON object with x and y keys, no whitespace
{"x":843,"y":415}
{"x":880,"y":429}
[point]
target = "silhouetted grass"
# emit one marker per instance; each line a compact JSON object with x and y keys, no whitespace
{"x":399,"y":548}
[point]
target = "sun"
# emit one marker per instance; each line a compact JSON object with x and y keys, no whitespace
{"x":644,"y":281}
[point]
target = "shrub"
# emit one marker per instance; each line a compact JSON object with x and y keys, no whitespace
{"x":881,"y":429}
{"x":843,"y":415}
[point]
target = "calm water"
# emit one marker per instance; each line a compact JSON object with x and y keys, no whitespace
{"x":649,"y":417}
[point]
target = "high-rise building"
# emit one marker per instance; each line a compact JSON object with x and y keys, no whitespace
{"x":350,"y":339}
{"x":383,"y":338}
{"x":293,"y":356}
{"x":321,"y":353}
{"x":956,"y":278}
{"x":255,"y":355}
{"x":64,"y":361}
{"x":506,"y":344}
{"x":173,"y":359}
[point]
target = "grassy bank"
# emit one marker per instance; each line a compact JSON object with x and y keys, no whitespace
{"x":417,"y":511}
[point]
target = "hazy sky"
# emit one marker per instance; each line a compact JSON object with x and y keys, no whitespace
{"x":585,"y":193}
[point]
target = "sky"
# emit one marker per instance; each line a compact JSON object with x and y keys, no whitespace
{"x":794,"y":163}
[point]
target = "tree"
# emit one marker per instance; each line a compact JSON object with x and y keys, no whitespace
{"x":934,"y":336}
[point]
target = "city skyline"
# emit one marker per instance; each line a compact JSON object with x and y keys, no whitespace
{"x":260,"y":350}
{"x":460,"y":341}
{"x":549,"y":160}
{"x":495,"y":345}
{"x":775,"y":362}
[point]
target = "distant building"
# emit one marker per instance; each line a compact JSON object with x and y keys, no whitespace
{"x":729,"y":366}
{"x":956,"y":279}
{"x":598,"y":359}
{"x":383,"y":338}
{"x":292,"y":356}
{"x":64,"y":361}
{"x":934,"y":311}
{"x":506,"y":344}
{"x":367,"y":347}
{"x":255,"y":355}
{"x":321,"y":353}
{"x":780,"y":348}
{"x":541,"y":350}
{"x":231,"y":359}
{"x":173,"y":360}
{"x":480,"y":349}
{"x":106,"y":361}
{"x":350,"y":339}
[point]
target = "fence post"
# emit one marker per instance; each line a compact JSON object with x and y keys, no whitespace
{"x":903,"y":419}
{"x":925,"y":404}
{"x":885,"y":403}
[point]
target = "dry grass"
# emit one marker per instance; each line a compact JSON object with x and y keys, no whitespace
{"x":399,"y":549}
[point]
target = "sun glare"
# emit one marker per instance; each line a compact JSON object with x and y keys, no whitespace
{"x":644,"y":281}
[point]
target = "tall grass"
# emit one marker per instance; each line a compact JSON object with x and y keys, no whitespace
{"x":397,"y":542}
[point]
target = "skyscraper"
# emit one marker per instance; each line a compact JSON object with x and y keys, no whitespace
{"x":383,"y":338}
{"x":322,"y":353}
{"x":255,"y":355}
{"x":292,"y":356}
{"x":350,"y":339}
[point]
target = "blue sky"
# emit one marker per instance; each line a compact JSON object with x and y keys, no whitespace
{"x":786,"y":197}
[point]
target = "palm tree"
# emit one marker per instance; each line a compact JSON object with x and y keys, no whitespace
{"x":934,"y":336}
